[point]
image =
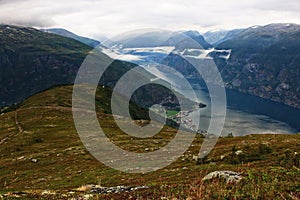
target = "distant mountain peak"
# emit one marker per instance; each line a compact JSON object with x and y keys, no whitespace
{"x":191,"y":32}
{"x":214,"y":36}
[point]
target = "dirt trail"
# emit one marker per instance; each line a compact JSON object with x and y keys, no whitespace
{"x":18,"y":123}
{"x":19,"y":127}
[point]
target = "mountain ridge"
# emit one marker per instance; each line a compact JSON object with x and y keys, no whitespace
{"x":65,"y":33}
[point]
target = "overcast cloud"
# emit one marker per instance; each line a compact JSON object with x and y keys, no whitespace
{"x":111,"y":17}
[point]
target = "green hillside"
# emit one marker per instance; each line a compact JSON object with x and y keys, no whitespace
{"x":42,"y":156}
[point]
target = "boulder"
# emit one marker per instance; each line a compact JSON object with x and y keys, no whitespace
{"x":229,"y":176}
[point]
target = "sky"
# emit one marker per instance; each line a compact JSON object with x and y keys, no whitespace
{"x":95,"y":18}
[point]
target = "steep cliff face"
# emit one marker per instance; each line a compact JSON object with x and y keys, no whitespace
{"x":265,"y":61}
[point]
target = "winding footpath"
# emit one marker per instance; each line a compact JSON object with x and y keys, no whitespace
{"x":19,"y":127}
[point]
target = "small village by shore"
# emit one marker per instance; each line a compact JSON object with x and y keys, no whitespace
{"x":183,"y":118}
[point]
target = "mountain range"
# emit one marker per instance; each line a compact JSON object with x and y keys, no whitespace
{"x":259,"y":60}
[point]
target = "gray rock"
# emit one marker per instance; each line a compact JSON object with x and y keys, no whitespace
{"x":118,"y":189}
{"x":229,"y":176}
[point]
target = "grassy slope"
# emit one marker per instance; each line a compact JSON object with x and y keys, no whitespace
{"x":42,"y":128}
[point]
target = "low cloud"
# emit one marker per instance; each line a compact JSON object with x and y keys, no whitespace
{"x":111,"y":17}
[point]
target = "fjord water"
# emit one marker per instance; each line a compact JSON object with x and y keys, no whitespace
{"x":246,"y":114}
